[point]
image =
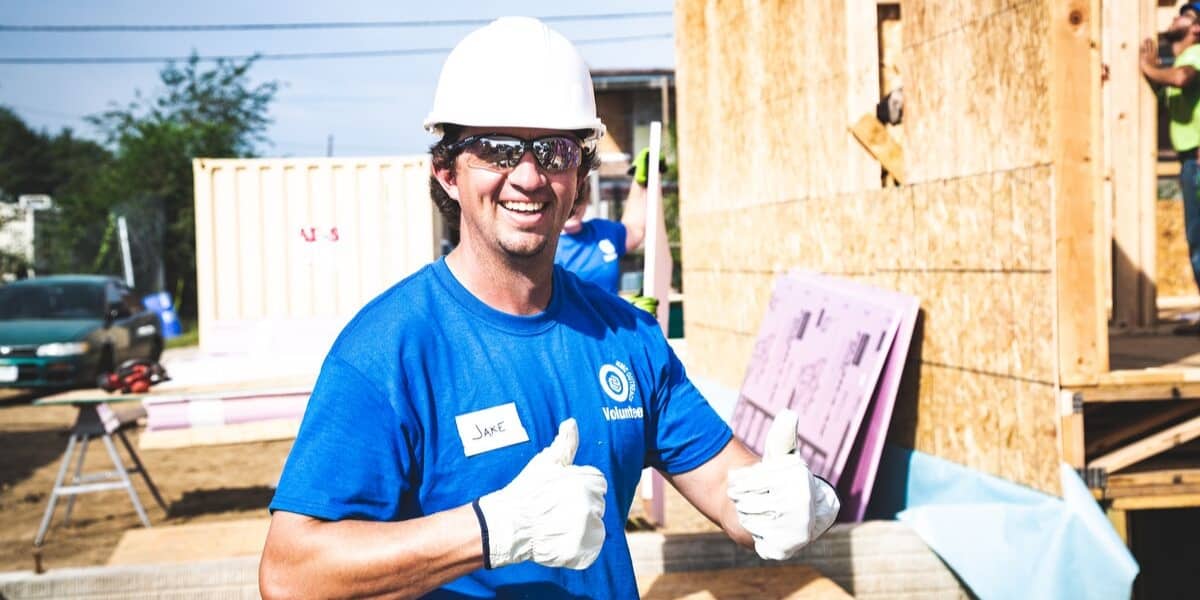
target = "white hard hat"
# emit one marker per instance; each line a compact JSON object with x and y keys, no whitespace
{"x":515,"y":72}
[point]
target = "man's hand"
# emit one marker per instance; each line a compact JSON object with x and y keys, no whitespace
{"x":641,"y":166}
{"x":1148,"y":54}
{"x":550,"y":514}
{"x":779,"y":501}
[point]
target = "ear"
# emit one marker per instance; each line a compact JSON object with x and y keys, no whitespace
{"x":582,"y":189}
{"x":445,"y":177}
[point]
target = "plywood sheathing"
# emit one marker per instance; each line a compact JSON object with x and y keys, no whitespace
{"x":766,"y":187}
{"x":975,"y":87}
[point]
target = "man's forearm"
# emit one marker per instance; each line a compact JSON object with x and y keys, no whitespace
{"x":310,"y":558}
{"x":1172,"y":76}
{"x":634,"y":216}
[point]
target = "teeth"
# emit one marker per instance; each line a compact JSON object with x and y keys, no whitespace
{"x":525,"y":207}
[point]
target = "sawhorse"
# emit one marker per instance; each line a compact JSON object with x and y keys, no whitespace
{"x":97,"y":420}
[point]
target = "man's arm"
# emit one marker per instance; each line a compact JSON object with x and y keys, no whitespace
{"x":774,"y":504}
{"x":551,"y":514}
{"x":705,"y":488}
{"x":309,"y":558}
{"x":633,"y":217}
{"x":1180,"y":76}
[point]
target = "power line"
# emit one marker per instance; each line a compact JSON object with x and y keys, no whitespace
{"x":111,"y":60}
{"x":314,"y":25}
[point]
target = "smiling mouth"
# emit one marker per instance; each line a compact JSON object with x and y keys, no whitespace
{"x":525,"y":208}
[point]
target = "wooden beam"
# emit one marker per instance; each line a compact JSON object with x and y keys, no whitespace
{"x":1167,"y":168}
{"x":1154,"y":478}
{"x":1147,"y":183}
{"x":1120,"y":522}
{"x":1143,"y":384}
{"x":1157,"y":502}
{"x":1111,"y":439}
{"x":1131,"y":157}
{"x":1150,"y":446}
{"x":219,"y":435}
{"x":1071,"y":433}
{"x":1080,"y":246}
{"x":874,"y":136}
{"x":793,"y":582}
{"x":1165,"y":482}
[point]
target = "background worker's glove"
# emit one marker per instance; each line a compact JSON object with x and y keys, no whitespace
{"x":550,"y":514}
{"x":641,"y":166}
{"x":779,"y":501}
{"x":646,"y":303}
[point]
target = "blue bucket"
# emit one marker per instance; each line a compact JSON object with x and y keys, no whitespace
{"x":161,"y":304}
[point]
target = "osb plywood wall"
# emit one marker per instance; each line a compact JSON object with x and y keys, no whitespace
{"x":771,"y":180}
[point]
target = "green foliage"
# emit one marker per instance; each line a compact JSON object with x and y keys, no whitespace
{"x":62,"y":166}
{"x":201,"y":113}
{"x":190,"y":335}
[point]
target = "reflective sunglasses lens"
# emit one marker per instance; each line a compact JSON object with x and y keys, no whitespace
{"x":498,"y":152}
{"x":557,"y":153}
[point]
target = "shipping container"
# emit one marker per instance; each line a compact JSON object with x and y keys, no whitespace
{"x":288,"y":250}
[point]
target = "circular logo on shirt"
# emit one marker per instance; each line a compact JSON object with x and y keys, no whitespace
{"x":608,"y":250}
{"x":617,"y":381}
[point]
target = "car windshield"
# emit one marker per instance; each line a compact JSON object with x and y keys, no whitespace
{"x":52,"y":301}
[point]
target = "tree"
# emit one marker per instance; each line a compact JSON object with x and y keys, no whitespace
{"x":213,"y":112}
{"x":62,"y":166}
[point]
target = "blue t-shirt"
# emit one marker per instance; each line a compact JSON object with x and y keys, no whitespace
{"x":379,"y":439}
{"x":593,"y":252}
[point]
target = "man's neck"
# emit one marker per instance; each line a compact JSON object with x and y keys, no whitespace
{"x":517,"y":286}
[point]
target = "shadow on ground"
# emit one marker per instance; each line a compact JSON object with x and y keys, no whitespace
{"x":13,"y":397}
{"x":27,"y":451}
{"x":201,"y":502}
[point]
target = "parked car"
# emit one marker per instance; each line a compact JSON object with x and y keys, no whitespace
{"x":65,"y":330}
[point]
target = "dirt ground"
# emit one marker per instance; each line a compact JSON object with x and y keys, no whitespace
{"x":199,"y":484}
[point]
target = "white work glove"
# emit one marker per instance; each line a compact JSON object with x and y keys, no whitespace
{"x":779,"y":501}
{"x":550,"y":514}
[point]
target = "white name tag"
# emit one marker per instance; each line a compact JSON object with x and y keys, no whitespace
{"x":490,"y":428}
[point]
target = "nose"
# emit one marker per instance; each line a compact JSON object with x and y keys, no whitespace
{"x":527,"y":176}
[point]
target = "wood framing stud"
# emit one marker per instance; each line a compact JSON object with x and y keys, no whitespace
{"x":1156,"y":502}
{"x":1120,"y":522}
{"x":1155,"y":444}
{"x":1108,"y":441}
{"x":1080,"y":252}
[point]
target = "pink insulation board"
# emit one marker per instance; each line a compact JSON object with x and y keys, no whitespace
{"x":182,"y":411}
{"x":824,"y":348}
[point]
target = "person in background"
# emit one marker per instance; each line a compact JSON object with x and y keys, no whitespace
{"x":478,"y":430}
{"x":592,"y":249}
{"x":1182,"y":92}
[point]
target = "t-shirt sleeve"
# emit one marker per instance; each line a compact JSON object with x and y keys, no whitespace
{"x":620,"y":233}
{"x":687,"y":432}
{"x":350,"y":459}
{"x":1189,"y":57}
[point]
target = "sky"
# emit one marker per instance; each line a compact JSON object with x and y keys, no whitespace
{"x":370,"y":105}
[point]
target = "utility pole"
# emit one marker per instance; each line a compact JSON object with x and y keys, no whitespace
{"x":329,"y":145}
{"x":126,"y":260}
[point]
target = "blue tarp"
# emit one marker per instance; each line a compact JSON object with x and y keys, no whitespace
{"x":1005,"y":540}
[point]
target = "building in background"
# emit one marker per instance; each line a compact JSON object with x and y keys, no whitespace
{"x":627,"y":101}
{"x":18,"y":234}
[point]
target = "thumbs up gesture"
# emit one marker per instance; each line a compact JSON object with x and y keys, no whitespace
{"x":779,"y":501}
{"x":551,"y":513}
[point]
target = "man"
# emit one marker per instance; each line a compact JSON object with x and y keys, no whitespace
{"x":1183,"y":108}
{"x":592,"y":249}
{"x":478,"y":429}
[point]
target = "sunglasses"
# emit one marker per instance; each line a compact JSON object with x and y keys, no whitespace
{"x":502,"y":153}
